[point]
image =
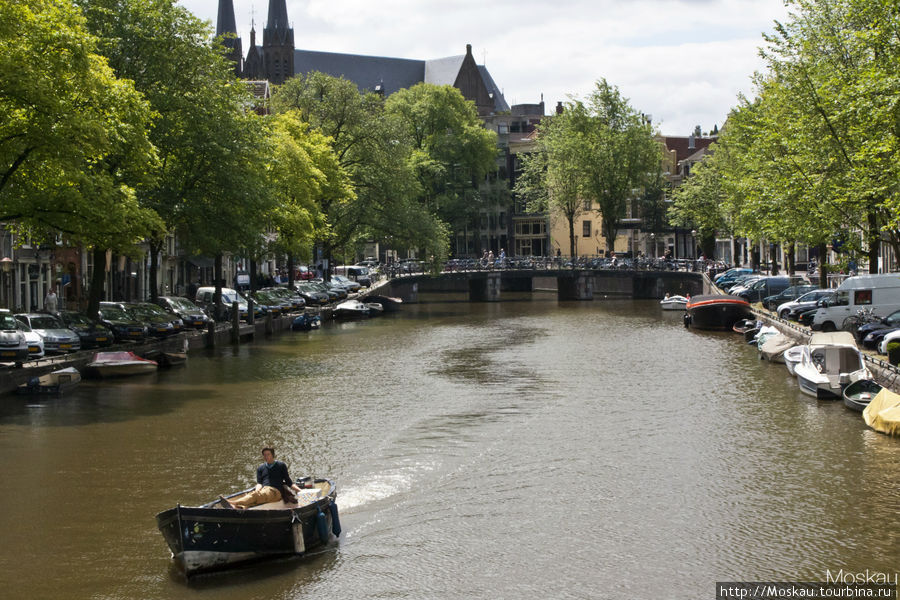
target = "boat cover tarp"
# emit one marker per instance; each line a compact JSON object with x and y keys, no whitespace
{"x":774,"y":346}
{"x":883,"y":412}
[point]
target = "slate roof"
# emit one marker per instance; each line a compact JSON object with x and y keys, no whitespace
{"x":443,"y":71}
{"x":500,"y":104}
{"x":366,"y":71}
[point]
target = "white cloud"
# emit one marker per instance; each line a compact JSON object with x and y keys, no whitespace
{"x":683,"y":61}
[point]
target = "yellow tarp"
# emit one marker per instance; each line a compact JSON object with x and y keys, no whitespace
{"x":883,"y":412}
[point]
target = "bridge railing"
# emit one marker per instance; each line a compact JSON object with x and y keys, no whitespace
{"x":546,"y":263}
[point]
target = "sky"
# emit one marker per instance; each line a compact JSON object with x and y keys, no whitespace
{"x":684,"y":62}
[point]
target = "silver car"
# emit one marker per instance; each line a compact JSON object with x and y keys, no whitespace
{"x":13,"y":347}
{"x":57,"y":337}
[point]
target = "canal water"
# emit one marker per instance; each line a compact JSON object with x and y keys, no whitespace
{"x":523,"y":449}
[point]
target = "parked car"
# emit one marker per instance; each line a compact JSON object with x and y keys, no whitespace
{"x":333,"y":286}
{"x":741,"y":282}
{"x":13,"y":345}
{"x":205,"y":297}
{"x":766,"y":286}
{"x":304,"y":273}
{"x":287,"y":295}
{"x":319,"y":286}
{"x":731,"y":275}
{"x":267,"y":303}
{"x":878,"y":293}
{"x":124,"y":327}
{"x":92,"y":333}
{"x":353,"y":286}
{"x":809,"y":300}
{"x":356,"y":273}
{"x":791,"y":293}
{"x":161,"y":313}
{"x":871,"y":334}
{"x":34,"y":341}
{"x":189,"y":313}
{"x":57,"y":337}
{"x":155,"y":325}
{"x":312,"y":295}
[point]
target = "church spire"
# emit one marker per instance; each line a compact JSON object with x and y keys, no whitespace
{"x":278,"y":44}
{"x":226,"y":30}
{"x":278,"y":18}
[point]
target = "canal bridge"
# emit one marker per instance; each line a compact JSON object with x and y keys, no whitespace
{"x":569,"y":284}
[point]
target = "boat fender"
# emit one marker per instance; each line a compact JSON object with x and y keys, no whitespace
{"x":335,"y":521}
{"x":687,"y":319}
{"x":322,"y":526}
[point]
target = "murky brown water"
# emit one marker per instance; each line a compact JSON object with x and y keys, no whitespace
{"x":516,"y":450}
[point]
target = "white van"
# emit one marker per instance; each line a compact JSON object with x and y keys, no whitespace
{"x":880,"y":293}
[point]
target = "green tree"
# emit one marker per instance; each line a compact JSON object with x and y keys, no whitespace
{"x":373,"y":150}
{"x":451,"y":150}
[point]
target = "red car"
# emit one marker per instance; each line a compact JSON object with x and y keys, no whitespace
{"x":304,"y":274}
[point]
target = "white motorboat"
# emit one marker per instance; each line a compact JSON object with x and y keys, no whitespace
{"x":828,"y":363}
{"x":792,"y":358}
{"x":119,"y":364}
{"x":55,"y":383}
{"x":673,"y":303}
{"x":351,"y":309}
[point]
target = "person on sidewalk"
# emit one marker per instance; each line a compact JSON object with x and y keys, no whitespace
{"x":51,"y":302}
{"x":270,"y":477}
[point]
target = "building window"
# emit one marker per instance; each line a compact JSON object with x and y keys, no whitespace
{"x":586,"y":229}
{"x":587,"y":205}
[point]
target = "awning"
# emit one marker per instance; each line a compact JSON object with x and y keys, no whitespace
{"x":201,"y":262}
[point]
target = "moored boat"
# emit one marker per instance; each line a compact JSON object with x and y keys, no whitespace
{"x":673,"y":302}
{"x":55,"y":383}
{"x":828,"y":363}
{"x":120,"y":364}
{"x":351,"y":309}
{"x":388,"y":303}
{"x":215,"y":536}
{"x":305,"y":322}
{"x":774,"y":346}
{"x":717,"y":311}
{"x":859,"y":394}
{"x":883,"y":412}
{"x":791,"y":357}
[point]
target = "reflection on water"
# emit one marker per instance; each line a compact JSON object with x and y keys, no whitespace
{"x":510,"y":450}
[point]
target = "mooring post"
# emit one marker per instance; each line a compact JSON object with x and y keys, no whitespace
{"x":211,"y":334}
{"x":235,"y":323}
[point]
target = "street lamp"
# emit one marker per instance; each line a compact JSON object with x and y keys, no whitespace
{"x":693,"y":243}
{"x":653,"y":243}
{"x":6,"y":264}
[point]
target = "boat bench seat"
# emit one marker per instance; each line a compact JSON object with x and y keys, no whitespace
{"x":304,"y":497}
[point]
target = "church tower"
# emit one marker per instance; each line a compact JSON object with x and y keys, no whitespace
{"x":278,"y":44}
{"x":225,"y":26}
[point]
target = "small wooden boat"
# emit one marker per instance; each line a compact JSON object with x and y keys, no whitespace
{"x":746,"y":325}
{"x":883,"y":412}
{"x":55,"y":383}
{"x":716,"y":311}
{"x":375,"y":308}
{"x":172,"y":359}
{"x":673,"y":303}
{"x":215,"y":536}
{"x":859,"y":394}
{"x":828,"y":363}
{"x":351,"y":309}
{"x":388,"y":303}
{"x":121,"y":364}
{"x":792,"y":357}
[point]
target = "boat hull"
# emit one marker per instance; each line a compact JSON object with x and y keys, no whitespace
{"x":204,"y":539}
{"x":122,"y":370}
{"x":857,"y":395}
{"x":388,"y":304}
{"x":816,"y":389}
{"x":717,"y":312}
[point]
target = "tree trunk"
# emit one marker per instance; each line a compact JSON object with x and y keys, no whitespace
{"x":735,"y":257}
{"x":791,"y":253}
{"x":823,"y":265}
{"x":572,"y":236}
{"x":754,"y":257}
{"x":155,"y":249}
{"x":773,"y":257}
{"x":98,"y":278}
{"x":252,"y":275}
{"x":874,"y":241}
{"x":217,"y":281}
{"x":290,"y":267}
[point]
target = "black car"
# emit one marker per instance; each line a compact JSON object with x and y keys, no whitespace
{"x":268,"y":304}
{"x":791,"y":293}
{"x":189,"y":313}
{"x":92,"y":333}
{"x":123,"y":325}
{"x":312,"y":295}
{"x":870,"y":334}
{"x":766,"y":286}
{"x":159,"y":323}
{"x":288,"y":296}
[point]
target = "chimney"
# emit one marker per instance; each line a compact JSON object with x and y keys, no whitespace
{"x":559,"y":108}
{"x":691,"y":144}
{"x":469,"y":49}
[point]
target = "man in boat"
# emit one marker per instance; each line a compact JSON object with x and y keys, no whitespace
{"x":270,"y":477}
